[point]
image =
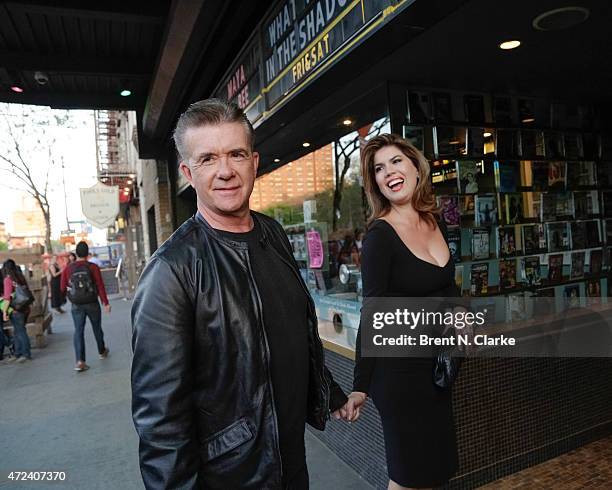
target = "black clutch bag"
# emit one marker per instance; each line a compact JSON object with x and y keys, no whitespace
{"x":446,"y":367}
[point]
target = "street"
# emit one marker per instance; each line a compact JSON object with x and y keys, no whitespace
{"x":55,"y":419}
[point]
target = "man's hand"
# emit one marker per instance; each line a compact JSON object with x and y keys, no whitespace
{"x":352,"y":408}
{"x":5,"y":316}
{"x":107,"y":308}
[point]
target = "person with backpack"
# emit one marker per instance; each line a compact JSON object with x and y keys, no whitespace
{"x":17,"y":295}
{"x":82,"y":281}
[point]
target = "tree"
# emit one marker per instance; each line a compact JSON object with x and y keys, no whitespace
{"x":344,"y":152}
{"x":27,"y":137}
{"x":3,"y":246}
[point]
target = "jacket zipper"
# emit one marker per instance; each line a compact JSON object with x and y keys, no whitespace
{"x":323,"y":380}
{"x":269,"y":375}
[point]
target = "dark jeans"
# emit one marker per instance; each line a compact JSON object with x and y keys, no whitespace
{"x":22,"y":341}
{"x":80,"y":313}
{"x":4,"y":341}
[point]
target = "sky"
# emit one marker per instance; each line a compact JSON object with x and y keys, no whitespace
{"x":76,"y":145}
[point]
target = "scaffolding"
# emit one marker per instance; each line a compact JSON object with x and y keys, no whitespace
{"x":111,"y":146}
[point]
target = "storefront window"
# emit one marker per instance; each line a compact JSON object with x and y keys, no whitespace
{"x":319,"y":200}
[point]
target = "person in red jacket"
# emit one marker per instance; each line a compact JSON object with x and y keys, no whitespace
{"x":82,"y":281}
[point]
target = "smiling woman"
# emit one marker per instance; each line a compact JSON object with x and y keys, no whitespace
{"x":405,"y":254}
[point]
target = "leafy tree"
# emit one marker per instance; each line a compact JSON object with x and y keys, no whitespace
{"x":3,"y":246}
{"x":346,"y":153}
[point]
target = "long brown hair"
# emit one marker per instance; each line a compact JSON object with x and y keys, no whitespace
{"x":423,"y":199}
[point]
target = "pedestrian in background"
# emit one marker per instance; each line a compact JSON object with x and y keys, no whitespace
{"x":54,"y":277}
{"x":14,"y":278}
{"x":82,"y":281}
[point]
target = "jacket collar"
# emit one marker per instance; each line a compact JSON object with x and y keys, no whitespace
{"x":222,"y":238}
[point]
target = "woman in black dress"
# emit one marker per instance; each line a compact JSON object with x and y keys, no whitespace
{"x":405,"y":254}
{"x":57,"y":298}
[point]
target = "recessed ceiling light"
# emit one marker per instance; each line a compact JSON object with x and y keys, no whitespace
{"x":506,"y":45}
{"x":276,"y":160}
{"x":305,"y":144}
{"x":561,"y":18}
{"x":17,"y":89}
{"x":347,"y":122}
{"x":487,"y":134}
{"x":528,"y":120}
{"x":129,"y":182}
{"x":125,"y":93}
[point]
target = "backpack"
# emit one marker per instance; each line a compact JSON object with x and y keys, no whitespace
{"x":81,"y":286}
{"x":22,"y":298}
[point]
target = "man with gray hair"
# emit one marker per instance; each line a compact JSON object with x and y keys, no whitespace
{"x":228,"y":364}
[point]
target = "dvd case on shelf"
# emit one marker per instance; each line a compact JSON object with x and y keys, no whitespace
{"x":443,"y":112}
{"x":554,"y":144}
{"x":572,"y":143}
{"x":480,"y":243}
{"x":532,"y":143}
{"x":557,"y":175}
{"x":555,"y":268}
{"x":517,"y":311}
{"x":586,"y":204}
{"x":468,"y":172}
{"x":512,"y":208}
{"x":419,"y":107}
{"x":479,"y":279}
{"x":459,"y":277}
{"x":416,"y":136}
{"x":534,"y":238}
{"x":582,"y":174}
{"x":467,"y":210}
{"x":507,"y":274}
{"x":539,"y":176}
{"x":577,"y":269}
{"x":454,"y":243}
{"x":571,"y":293}
{"x":549,"y":207}
{"x":475,"y":142}
{"x":506,"y":241}
{"x":506,"y":143}
{"x":565,"y":205}
{"x":595,"y":261}
{"x":593,"y":288}
{"x":450,"y":141}
{"x":503,"y":112}
{"x":606,"y":199}
{"x":604,"y":175}
{"x":486,"y":209}
{"x":530,"y":271}
{"x":579,"y":234}
{"x":507,"y":176}
{"x":593,"y":234}
{"x":450,"y":209}
{"x":558,"y":238}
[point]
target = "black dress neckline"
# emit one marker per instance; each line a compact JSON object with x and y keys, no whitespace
{"x":441,"y":267}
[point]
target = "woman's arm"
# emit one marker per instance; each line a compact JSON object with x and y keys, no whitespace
{"x":376,"y":260}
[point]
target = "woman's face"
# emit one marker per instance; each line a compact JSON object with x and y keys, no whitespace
{"x":395,"y":174}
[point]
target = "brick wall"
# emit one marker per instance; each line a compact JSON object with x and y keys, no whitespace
{"x":510,"y":414}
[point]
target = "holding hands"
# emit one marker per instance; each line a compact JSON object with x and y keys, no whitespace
{"x":352,"y":408}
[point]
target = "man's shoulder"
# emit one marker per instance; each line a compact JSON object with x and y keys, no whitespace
{"x":190,"y":232}
{"x":267,"y":222}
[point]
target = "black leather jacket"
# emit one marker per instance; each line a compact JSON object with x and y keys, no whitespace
{"x":201,"y":399}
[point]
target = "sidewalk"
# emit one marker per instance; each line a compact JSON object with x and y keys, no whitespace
{"x":55,"y":419}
